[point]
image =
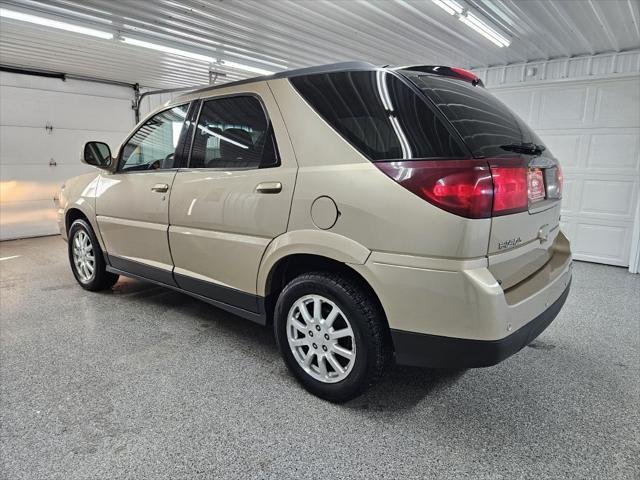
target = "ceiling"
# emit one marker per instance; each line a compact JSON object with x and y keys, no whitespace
{"x":280,"y":34}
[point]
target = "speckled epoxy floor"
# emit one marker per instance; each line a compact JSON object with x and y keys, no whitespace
{"x":143,"y":382}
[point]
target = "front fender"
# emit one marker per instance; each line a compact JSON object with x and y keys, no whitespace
{"x":311,"y":242}
{"x":80,"y":194}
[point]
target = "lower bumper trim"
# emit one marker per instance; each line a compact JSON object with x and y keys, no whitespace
{"x":434,"y":351}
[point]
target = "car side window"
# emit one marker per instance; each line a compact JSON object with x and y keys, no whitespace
{"x":153,"y":145}
{"x":233,"y":133}
{"x":380,"y":115}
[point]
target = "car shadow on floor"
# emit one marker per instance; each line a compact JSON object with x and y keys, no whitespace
{"x":401,"y":388}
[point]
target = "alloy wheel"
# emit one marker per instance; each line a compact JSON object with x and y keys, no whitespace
{"x":84,"y":256}
{"x":321,"y":338}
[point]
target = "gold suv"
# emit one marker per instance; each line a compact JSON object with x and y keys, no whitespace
{"x":368,"y":214}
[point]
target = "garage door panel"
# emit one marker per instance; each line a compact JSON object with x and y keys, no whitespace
{"x":616,"y":105}
{"x":20,"y":183}
{"x":28,"y":219}
{"x":571,"y":196}
{"x":603,"y":243}
{"x":34,"y":146}
{"x":78,"y":112}
{"x":608,"y":197}
{"x":593,"y":128}
{"x":561,"y":107}
{"x":614,"y":151}
{"x":36,"y":108}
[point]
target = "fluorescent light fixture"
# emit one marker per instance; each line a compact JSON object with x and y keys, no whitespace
{"x":469,"y":19}
{"x":195,"y":56}
{"x":248,"y":68}
{"x":164,"y":48}
{"x":450,"y":6}
{"x":47,"y":22}
{"x":484,"y":30}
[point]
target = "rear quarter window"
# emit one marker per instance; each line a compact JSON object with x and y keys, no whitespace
{"x":380,"y":115}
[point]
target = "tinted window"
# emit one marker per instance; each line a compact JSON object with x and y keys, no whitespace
{"x":233,"y":132}
{"x":379,"y":114}
{"x":153,"y":145}
{"x":484,"y":122}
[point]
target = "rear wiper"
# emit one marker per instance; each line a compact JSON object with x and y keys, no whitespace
{"x":528,"y":148}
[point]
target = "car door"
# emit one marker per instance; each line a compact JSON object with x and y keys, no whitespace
{"x":234,"y":198}
{"x":132,"y":204}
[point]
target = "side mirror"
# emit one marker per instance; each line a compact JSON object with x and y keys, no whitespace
{"x":97,"y":154}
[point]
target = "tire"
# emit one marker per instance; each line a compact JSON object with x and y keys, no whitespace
{"x":82,"y":238}
{"x":369,"y":342}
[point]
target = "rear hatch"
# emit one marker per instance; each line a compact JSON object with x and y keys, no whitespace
{"x":524,"y":229}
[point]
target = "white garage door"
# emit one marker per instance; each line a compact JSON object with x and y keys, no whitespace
{"x":76,"y":112}
{"x":593,"y":127}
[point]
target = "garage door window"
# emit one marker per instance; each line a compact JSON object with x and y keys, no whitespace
{"x":153,"y":145}
{"x":233,"y":132}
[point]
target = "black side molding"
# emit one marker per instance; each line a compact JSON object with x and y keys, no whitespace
{"x":245,"y":305}
{"x":141,"y":270}
{"x":230,"y":296}
{"x":433,"y":351}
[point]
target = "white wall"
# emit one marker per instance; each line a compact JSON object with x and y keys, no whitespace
{"x":593,"y":127}
{"x":78,"y":112}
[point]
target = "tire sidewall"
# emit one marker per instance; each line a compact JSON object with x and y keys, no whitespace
{"x":320,"y":285}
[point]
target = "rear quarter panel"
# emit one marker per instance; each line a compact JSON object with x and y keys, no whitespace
{"x":374,"y":210}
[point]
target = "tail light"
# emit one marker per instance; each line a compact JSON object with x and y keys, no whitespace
{"x":463,"y":187}
{"x":469,"y":188}
{"x":510,"y":190}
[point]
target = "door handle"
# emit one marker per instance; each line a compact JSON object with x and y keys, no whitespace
{"x":160,"y":188}
{"x":269,"y":187}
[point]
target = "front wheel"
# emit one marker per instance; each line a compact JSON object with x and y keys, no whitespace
{"x":86,"y":258}
{"x":332,"y":335}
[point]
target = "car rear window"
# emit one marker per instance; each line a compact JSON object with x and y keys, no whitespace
{"x":380,"y":115}
{"x":484,"y":122}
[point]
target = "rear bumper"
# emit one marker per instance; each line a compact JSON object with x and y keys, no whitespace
{"x":454,"y":313}
{"x":433,"y":351}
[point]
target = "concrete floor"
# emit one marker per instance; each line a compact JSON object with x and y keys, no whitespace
{"x":142,"y":382}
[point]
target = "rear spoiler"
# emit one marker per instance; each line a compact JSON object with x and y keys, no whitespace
{"x":444,"y":71}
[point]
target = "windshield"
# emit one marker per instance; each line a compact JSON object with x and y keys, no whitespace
{"x":488,"y":127}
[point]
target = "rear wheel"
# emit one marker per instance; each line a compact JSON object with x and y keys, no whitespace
{"x":86,"y":258}
{"x":332,"y":335}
